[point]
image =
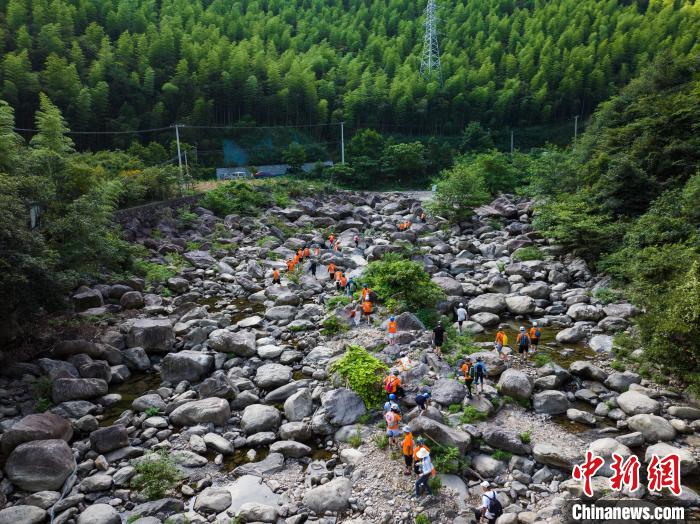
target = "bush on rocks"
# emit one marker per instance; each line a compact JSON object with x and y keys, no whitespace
{"x":363,"y":373}
{"x":156,"y":474}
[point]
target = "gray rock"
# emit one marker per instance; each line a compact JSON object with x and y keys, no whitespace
{"x":200,"y":259}
{"x":191,"y":366}
{"x":621,"y":310}
{"x":486,"y":319}
{"x":218,"y":444}
{"x":298,"y":406}
{"x":635,"y":403}
{"x":259,"y":417}
{"x":684,"y":412}
{"x":212,"y":500}
{"x":631,"y":440}
{"x":256,"y":512}
{"x":520,"y":305}
{"x":505,"y":439}
{"x":38,"y":426}
{"x":332,"y":496}
{"x":488,"y":303}
{"x":653,"y":427}
{"x":40,"y":465}
{"x":441,"y":433}
{"x":136,"y":359}
{"x":585,"y":312}
{"x":241,"y":343}
{"x":622,"y":381}
{"x":151,"y":334}
{"x":556,"y":456}
{"x":132,"y":300}
{"x":86,"y":299}
{"x":604,"y":448}
{"x":64,"y":389}
{"x":688,"y":462}
{"x":583,"y":417}
{"x":150,"y":400}
{"x":550,"y":402}
{"x":109,"y":438}
{"x":214,"y":410}
{"x":515,"y":384}
{"x":448,"y":391}
{"x":43,"y":499}
{"x":586,"y":370}
{"x":487,"y":466}
{"x":343,"y":406}
{"x":22,"y":515}
{"x":450,"y":286}
{"x":270,"y":465}
{"x":570,"y":335}
{"x":270,"y":376}
{"x":409,"y":322}
{"x":96,"y":483}
{"x":290,"y":448}
{"x":281,"y":313}
{"x":601,"y":343}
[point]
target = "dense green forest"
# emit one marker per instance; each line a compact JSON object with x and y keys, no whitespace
{"x":134,"y":64}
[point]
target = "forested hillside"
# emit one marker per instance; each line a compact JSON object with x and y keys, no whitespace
{"x":128,"y":64}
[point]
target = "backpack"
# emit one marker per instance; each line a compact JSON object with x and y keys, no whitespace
{"x":495,"y":507}
{"x":524,"y":341}
{"x":537,"y":333}
{"x":505,"y":339}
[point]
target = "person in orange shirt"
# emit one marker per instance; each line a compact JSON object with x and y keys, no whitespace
{"x":407,"y":446}
{"x":393,"y":328}
{"x":300,"y":254}
{"x":365,"y":292}
{"x":466,"y":370}
{"x":331,"y":240}
{"x":338,"y":275}
{"x":501,"y":340}
{"x":392,"y":384}
{"x":343,"y":282}
{"x":290,"y":264}
{"x":307,"y":252}
{"x":275,"y":277}
{"x":393,"y":418}
{"x":331,"y":269}
{"x":367,"y":310}
{"x":419,"y":444}
{"x":535,"y":334}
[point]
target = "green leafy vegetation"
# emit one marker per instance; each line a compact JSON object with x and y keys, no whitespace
{"x":470,"y":415}
{"x":236,"y":198}
{"x":403,"y":285}
{"x":332,"y":325}
{"x":156,"y":474}
{"x":606,"y":295}
{"x":435,"y":484}
{"x":337,"y":301}
{"x":525,"y":437}
{"x":355,"y":440}
{"x":499,"y":454}
{"x":363,"y":373}
{"x":152,"y":411}
{"x":527,"y":253}
{"x":381,"y":440}
{"x":541,"y":358}
{"x":459,"y":190}
{"x":421,"y":518}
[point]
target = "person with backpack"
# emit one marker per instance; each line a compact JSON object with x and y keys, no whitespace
{"x":466,"y":369}
{"x":367,"y":311}
{"x":407,"y":447}
{"x":461,"y":317}
{"x":491,"y":507}
{"x":422,"y":400}
{"x":478,"y":372}
{"x":501,"y":342}
{"x":391,"y":404}
{"x":426,"y":471}
{"x":523,"y":342}
{"x":420,"y":444}
{"x":276,"y":277}
{"x":312,"y":268}
{"x":357,"y":240}
{"x":393,"y":418}
{"x":438,"y":338}
{"x":535,"y":334}
{"x":392,"y":384}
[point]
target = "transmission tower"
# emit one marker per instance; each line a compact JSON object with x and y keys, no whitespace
{"x":430,"y":60}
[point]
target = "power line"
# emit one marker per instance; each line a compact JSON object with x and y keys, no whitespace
{"x":134,"y":132}
{"x":185,"y":126}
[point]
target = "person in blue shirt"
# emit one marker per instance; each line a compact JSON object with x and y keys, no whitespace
{"x":422,"y":400}
{"x":391,"y":404}
{"x":480,"y":372}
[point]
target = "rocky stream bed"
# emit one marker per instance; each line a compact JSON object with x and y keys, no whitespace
{"x":228,"y":375}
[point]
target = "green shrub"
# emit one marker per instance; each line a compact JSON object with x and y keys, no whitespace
{"x":454,"y":408}
{"x":236,"y":197}
{"x":332,"y":326}
{"x":186,"y":217}
{"x":42,"y":404}
{"x":381,"y":440}
{"x":153,"y":272}
{"x":337,"y":301}
{"x":156,"y":474}
{"x":540,"y":359}
{"x":435,"y":484}
{"x":525,"y":437}
{"x":402,"y":283}
{"x":459,"y":190}
{"x":421,"y":518}
{"x":152,"y":411}
{"x":363,"y":373}
{"x":499,"y":454}
{"x":617,"y":365}
{"x":446,"y":459}
{"x":470,"y":415}
{"x":527,"y":253}
{"x":606,"y":295}
{"x":191,"y":245}
{"x":355,"y":440}
{"x":429,"y":317}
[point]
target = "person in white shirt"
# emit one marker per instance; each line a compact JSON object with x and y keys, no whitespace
{"x":487,"y":495}
{"x":425,"y":471}
{"x":461,"y":317}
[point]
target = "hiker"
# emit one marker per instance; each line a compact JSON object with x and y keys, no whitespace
{"x":393,"y":417}
{"x":317,"y":251}
{"x":535,"y":334}
{"x":392,"y":327}
{"x":391,"y":403}
{"x":420,"y":444}
{"x":491,"y":507}
{"x":331,"y":270}
{"x":322,"y":298}
{"x":405,"y":362}
{"x":312,"y":268}
{"x":407,"y":449}
{"x":501,"y":341}
{"x":422,"y":216}
{"x":342,"y":282}
{"x":467,"y":371}
{"x":290,"y":264}
{"x":365,"y":292}
{"x":367,"y":311}
{"x":438,"y":338}
{"x":479,"y":372}
{"x":356,"y":313}
{"x":422,"y":400}
{"x":337,"y":245}
{"x":357,"y":240}
{"x":331,"y":239}
{"x":461,"y":317}
{"x":307,"y":252}
{"x":426,"y":471}
{"x":523,"y":342}
{"x":336,"y":276}
{"x":350,"y":288}
{"x":300,"y":255}
{"x":275,"y":276}
{"x":392,"y":384}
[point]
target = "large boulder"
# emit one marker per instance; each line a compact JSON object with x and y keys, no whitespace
{"x":290,"y":448}
{"x":87,"y":298}
{"x":582,"y":311}
{"x":409,"y":322}
{"x":622,"y":381}
{"x":38,"y":426}
{"x":40,"y":465}
{"x":212,"y":500}
{"x":200,"y":259}
{"x":213,"y":409}
{"x":65,"y":389}
{"x":487,"y":466}
{"x":104,"y":440}
{"x":442,"y":434}
{"x":552,"y":455}
{"x":604,"y":448}
{"x":151,"y":334}
{"x":550,"y":402}
{"x":191,"y":366}
{"x":450,"y":286}
{"x":448,"y":391}
{"x":99,"y":514}
{"x":259,"y":417}
{"x":241,"y":343}
{"x":570,"y":335}
{"x":601,"y":343}
{"x":494,"y":364}
{"x":299,"y":406}
{"x":281,"y":313}
{"x":521,"y":304}
{"x":332,"y":496}
{"x":22,"y":514}
{"x":515,"y":384}
{"x":635,"y":403}
{"x":587,"y":371}
{"x":343,"y":406}
{"x":271,"y":376}
{"x":652,"y":427}
{"x":688,"y":462}
{"x":257,"y":512}
{"x":507,"y":440}
{"x":488,"y":303}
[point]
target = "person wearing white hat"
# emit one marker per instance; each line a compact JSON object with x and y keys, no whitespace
{"x":461,"y":317}
{"x":425,"y":472}
{"x":491,"y":507}
{"x":535,"y":334}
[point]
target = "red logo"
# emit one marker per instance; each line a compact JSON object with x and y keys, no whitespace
{"x":588,"y":470}
{"x":626,"y":474}
{"x":665,"y":473}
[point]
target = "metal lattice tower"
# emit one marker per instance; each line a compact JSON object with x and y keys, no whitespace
{"x":430,"y":60}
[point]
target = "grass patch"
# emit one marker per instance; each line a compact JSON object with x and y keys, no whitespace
{"x":470,"y":415}
{"x":499,"y":454}
{"x":192,"y":245}
{"x":525,"y":437}
{"x":337,"y":301}
{"x":421,"y":518}
{"x":152,"y":411}
{"x":607,"y":296}
{"x":381,"y":440}
{"x":454,"y":408}
{"x":355,"y":440}
{"x":617,"y":365}
{"x":332,"y":326}
{"x":435,"y":485}
{"x":156,"y":475}
{"x":527,"y":253}
{"x":540,"y":359}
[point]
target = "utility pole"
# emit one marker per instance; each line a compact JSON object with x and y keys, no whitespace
{"x":430,"y":60}
{"x":511,"y":142}
{"x":179,"y":155}
{"x":575,"y":127}
{"x":342,"y":142}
